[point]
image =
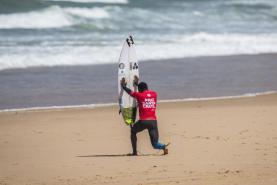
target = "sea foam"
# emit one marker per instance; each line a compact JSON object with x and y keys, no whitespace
{"x":51,"y":17}
{"x":54,"y":53}
{"x":96,"y":1}
{"x":92,"y":13}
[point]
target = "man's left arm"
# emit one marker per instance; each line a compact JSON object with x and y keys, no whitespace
{"x":124,"y":86}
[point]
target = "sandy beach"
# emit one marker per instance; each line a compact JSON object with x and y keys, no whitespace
{"x":212,"y":63}
{"x":214,"y":142}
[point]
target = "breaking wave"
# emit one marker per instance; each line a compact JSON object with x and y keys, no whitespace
{"x":201,"y":44}
{"x":95,"y":1}
{"x":52,"y":17}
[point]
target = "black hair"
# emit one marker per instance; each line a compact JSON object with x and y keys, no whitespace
{"x":142,"y":86}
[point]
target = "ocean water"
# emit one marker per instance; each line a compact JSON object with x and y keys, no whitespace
{"x":64,"y":52}
{"x":187,"y":78}
{"x":84,"y":32}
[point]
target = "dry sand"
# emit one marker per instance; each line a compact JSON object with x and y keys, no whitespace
{"x":219,"y":142}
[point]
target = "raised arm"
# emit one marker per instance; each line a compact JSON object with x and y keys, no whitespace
{"x":124,"y":86}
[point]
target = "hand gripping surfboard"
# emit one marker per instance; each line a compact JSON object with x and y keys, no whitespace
{"x":128,"y":68}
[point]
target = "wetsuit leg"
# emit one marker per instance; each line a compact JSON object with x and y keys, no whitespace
{"x":154,"y":135}
{"x":137,"y":127}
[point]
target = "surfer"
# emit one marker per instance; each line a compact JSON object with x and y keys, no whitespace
{"x":146,"y":100}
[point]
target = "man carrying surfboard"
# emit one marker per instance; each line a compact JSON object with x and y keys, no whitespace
{"x":146,"y":100}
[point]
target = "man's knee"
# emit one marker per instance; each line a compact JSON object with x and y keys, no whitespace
{"x":154,"y":145}
{"x":158,"y":145}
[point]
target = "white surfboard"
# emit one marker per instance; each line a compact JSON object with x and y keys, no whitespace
{"x":128,"y":68}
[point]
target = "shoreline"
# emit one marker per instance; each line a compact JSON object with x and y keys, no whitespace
{"x":93,"y":106}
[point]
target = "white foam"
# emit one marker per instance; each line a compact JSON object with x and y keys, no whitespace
{"x":204,"y":44}
{"x":96,"y":1}
{"x":56,"y":53}
{"x":99,"y":13}
{"x":57,"y":108}
{"x":251,"y":2}
{"x":52,"y":17}
{"x":82,"y":55}
{"x":91,"y":106}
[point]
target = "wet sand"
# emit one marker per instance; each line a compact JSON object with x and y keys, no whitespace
{"x":173,"y":78}
{"x":216,"y":142}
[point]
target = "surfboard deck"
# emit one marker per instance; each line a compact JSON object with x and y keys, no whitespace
{"x":128,"y":68}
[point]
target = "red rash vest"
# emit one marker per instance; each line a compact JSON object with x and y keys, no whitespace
{"x":147,"y":101}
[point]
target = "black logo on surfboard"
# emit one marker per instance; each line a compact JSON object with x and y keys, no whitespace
{"x":135,"y":66}
{"x":130,"y":41}
{"x":121,"y":66}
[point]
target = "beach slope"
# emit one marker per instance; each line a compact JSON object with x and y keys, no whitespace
{"x":215,"y":142}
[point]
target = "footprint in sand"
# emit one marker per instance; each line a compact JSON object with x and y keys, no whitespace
{"x":37,"y":132}
{"x":200,"y":137}
{"x":224,"y":172}
{"x":243,"y":131}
